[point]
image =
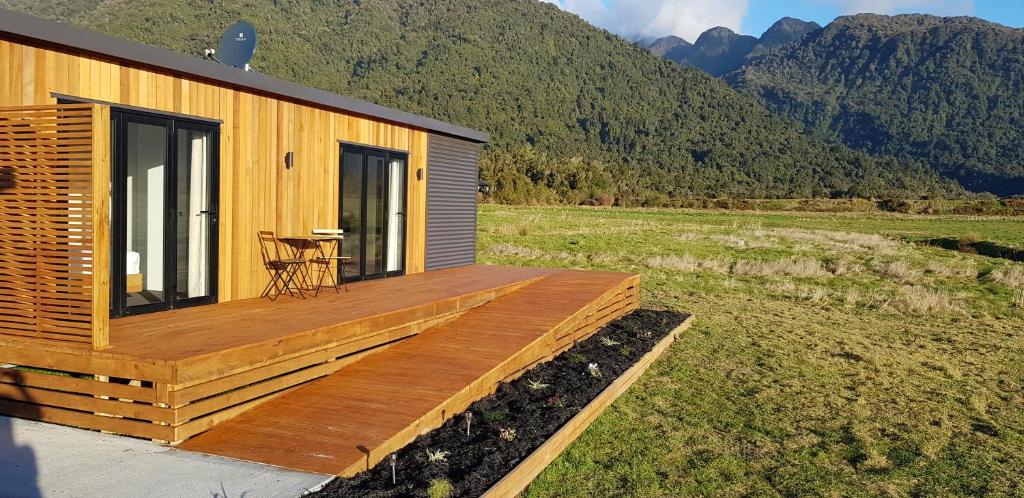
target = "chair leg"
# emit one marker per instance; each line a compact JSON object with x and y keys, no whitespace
{"x":344,"y":281}
{"x":276,"y":277}
{"x":330,"y":274}
{"x":291,"y":278}
{"x":320,"y":281}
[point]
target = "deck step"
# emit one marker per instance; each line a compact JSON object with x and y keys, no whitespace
{"x":350,"y":420}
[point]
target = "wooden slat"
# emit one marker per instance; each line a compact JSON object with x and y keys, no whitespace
{"x":78,"y":385}
{"x":100,"y":184}
{"x":85,"y":403}
{"x":86,"y":420}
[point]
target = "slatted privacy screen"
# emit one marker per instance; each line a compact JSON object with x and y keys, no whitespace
{"x":48,"y":232}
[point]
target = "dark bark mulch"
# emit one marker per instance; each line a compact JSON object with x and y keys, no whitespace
{"x":476,"y":461}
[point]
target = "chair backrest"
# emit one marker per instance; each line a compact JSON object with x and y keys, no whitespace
{"x":328,"y":232}
{"x":268,"y":246}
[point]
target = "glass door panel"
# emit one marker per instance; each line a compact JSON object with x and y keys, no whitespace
{"x":396,"y":216}
{"x":375,"y":215}
{"x":351,"y":215}
{"x":145,"y":193}
{"x":372,"y":211}
{"x":163,"y":213}
{"x":195,"y":214}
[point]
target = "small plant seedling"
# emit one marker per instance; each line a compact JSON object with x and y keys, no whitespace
{"x":577,"y":359}
{"x":594,"y":370}
{"x":494,"y":415}
{"x":608,"y":341}
{"x":440,"y":488}
{"x":536,"y":385}
{"x":554,"y":402}
{"x":507,"y":434}
{"x":439,"y":456}
{"x":626,"y":350}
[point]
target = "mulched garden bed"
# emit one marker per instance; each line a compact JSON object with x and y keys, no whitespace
{"x":507,"y":426}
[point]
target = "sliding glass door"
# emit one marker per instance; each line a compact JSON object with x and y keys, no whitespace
{"x":372,"y":211}
{"x":163,"y":213}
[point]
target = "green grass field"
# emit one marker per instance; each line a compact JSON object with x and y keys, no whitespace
{"x":831,"y":354}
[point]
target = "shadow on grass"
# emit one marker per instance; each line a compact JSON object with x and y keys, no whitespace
{"x":984,"y":248}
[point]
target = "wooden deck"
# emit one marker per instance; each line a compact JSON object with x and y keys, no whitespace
{"x":350,"y":420}
{"x":170,"y":376}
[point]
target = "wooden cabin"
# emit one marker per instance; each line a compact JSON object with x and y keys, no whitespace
{"x":133,"y":183}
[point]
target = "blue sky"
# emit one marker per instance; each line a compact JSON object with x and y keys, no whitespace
{"x":688,"y":18}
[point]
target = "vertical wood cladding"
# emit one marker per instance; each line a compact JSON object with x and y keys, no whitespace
{"x":257,"y":130}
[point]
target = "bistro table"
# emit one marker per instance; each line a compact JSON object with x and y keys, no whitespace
{"x":302,"y":246}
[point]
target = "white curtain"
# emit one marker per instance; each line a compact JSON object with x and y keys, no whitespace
{"x":396,"y":218}
{"x":199,"y":223}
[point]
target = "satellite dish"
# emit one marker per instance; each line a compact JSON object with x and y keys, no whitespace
{"x":237,"y":45}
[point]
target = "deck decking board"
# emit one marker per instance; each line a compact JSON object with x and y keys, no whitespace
{"x":204,"y":375}
{"x":384,"y":400}
{"x":377,"y":303}
{"x":196,"y":368}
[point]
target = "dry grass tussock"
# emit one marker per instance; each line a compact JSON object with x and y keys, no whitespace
{"x":843,"y":266}
{"x":809,"y":293}
{"x":1010,"y":276}
{"x":687,"y":263}
{"x":792,"y":267}
{"x":920,"y":300}
{"x":952,"y":269}
{"x":506,"y":249}
{"x":846,"y":241}
{"x":515,"y":251}
{"x":899,"y":270}
{"x":739,"y":242}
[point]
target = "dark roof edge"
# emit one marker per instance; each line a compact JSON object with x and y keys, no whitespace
{"x":34,"y":28}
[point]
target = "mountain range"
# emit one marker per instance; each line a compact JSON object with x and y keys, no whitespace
{"x":720,"y":50}
{"x":576,"y":114}
{"x":945,"y":92}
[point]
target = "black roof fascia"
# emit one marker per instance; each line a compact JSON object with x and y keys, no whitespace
{"x":34,"y":28}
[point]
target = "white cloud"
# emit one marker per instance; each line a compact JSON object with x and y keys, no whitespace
{"x":653,"y":18}
{"x":937,"y":7}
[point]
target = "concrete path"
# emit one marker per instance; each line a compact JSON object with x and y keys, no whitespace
{"x":45,"y":460}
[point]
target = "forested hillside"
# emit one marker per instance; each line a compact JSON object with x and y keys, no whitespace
{"x":948,"y":92}
{"x":575,"y":113}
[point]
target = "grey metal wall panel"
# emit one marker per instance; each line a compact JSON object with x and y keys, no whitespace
{"x":452,"y":180}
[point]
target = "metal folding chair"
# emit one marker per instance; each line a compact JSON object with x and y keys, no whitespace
{"x":282,"y":270}
{"x":325,"y":260}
